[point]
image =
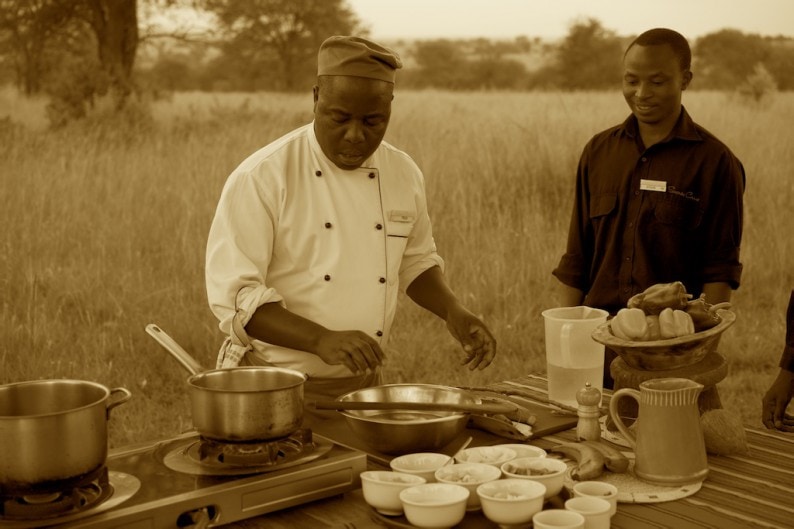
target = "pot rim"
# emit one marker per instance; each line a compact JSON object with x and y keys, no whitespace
{"x":193,"y":380}
{"x":60,"y":382}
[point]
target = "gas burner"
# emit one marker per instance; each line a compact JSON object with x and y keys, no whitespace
{"x":88,"y":496}
{"x":207,"y":457}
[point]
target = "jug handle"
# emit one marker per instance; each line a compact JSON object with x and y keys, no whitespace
{"x":565,"y":344}
{"x":615,"y":416}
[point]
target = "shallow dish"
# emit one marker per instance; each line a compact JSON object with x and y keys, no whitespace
{"x":490,"y":455}
{"x":422,"y":464}
{"x":547,"y":471}
{"x":434,"y":504}
{"x":511,"y":501}
{"x":382,"y":489}
{"x":469,"y":475}
{"x":405,"y":431}
{"x":672,"y":353}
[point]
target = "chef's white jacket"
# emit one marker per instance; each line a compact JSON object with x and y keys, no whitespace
{"x":331,"y":245}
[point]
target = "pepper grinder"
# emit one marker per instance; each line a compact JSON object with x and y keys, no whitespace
{"x":588,"y":427}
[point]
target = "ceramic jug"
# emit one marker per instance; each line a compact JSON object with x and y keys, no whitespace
{"x":667,"y":437}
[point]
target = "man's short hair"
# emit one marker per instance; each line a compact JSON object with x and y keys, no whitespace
{"x":662,"y":36}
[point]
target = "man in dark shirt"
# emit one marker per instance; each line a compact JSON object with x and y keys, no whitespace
{"x":778,"y":396}
{"x":658,"y":198}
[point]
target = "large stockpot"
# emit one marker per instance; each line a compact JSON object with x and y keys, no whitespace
{"x":53,"y":430}
{"x":240,"y":404}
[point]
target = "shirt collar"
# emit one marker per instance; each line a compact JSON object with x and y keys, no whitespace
{"x":684,"y":129}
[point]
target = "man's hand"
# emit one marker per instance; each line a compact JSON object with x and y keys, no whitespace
{"x":355,"y":349}
{"x":776,"y":401}
{"x":479,"y":345}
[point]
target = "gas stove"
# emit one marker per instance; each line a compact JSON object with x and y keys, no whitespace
{"x":188,"y":480}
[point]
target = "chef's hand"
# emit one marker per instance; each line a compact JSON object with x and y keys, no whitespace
{"x":776,"y":401}
{"x":355,"y":349}
{"x":479,"y":345}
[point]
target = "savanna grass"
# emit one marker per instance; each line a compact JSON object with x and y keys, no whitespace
{"x":105,"y":224}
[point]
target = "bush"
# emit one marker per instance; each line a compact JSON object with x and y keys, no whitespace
{"x":758,"y":85}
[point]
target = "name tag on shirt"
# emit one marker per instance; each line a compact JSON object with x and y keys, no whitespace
{"x":401,"y":216}
{"x":653,"y":185}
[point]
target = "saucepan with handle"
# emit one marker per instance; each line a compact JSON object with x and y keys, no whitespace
{"x":240,"y":404}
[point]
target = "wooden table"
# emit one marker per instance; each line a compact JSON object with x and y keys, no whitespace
{"x":755,"y":490}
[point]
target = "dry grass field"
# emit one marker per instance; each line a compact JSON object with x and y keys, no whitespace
{"x":105,"y":222}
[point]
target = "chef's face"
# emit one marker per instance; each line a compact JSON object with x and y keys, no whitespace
{"x":653,"y":80}
{"x":350,"y":117}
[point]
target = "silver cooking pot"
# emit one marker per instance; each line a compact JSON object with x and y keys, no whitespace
{"x":53,"y":430}
{"x":257,"y":403}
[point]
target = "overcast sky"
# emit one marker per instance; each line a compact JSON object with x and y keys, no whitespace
{"x":552,"y":18}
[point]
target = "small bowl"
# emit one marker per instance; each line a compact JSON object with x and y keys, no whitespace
{"x":557,"y":519}
{"x":511,"y":501}
{"x":422,"y":464}
{"x":469,"y":475}
{"x":434,"y":505}
{"x":523,"y":450}
{"x":490,"y":455}
{"x":596,"y":511}
{"x":548,"y":471}
{"x":672,"y":353}
{"x":598,"y":489}
{"x":382,"y":489}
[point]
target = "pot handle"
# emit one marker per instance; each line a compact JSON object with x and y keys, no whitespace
{"x":125,"y":396}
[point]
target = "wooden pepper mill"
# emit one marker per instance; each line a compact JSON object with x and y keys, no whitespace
{"x":588,"y":428}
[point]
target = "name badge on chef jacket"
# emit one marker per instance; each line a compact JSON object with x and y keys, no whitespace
{"x":401,"y":216}
{"x":653,"y":185}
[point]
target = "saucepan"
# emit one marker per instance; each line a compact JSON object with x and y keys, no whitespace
{"x":53,"y":430}
{"x":239,"y":404}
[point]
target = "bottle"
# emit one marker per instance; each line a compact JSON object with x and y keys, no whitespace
{"x":588,"y":428}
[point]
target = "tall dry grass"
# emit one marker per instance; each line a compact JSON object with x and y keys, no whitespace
{"x":105,"y":224}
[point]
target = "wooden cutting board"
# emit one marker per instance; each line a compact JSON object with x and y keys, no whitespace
{"x":548,"y":422}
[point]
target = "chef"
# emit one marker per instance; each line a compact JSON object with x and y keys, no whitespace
{"x":315,"y":233}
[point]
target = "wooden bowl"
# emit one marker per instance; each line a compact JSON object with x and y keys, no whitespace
{"x":672,"y":353}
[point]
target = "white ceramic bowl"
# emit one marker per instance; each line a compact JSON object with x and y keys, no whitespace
{"x":469,"y":475}
{"x":382,"y":489}
{"x":422,"y":464}
{"x":548,"y":471}
{"x":523,"y":450}
{"x":558,"y":519}
{"x":594,"y":510}
{"x":491,"y":455}
{"x":437,"y":505}
{"x":598,"y":489}
{"x":511,"y":501}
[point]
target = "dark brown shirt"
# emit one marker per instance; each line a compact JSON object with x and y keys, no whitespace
{"x":672,"y":212}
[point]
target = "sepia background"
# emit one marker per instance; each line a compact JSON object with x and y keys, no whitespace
{"x":118,"y":131}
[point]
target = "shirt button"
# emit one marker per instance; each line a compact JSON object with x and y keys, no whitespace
{"x":382,"y":279}
{"x":327,"y":277}
{"x":378,"y":226}
{"x":631,"y":224}
{"x":371,"y":175}
{"x":636,"y":193}
{"x":379,"y":333}
{"x":628,"y":258}
{"x":318,"y":173}
{"x":328,"y":224}
{"x":644,"y":159}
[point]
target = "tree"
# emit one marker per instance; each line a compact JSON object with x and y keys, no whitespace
{"x":440,"y":63}
{"x":280,"y":38}
{"x":723,"y":60}
{"x":589,"y":57}
{"x":28,"y":30}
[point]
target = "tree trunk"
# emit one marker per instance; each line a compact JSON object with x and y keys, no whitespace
{"x":115,"y":24}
